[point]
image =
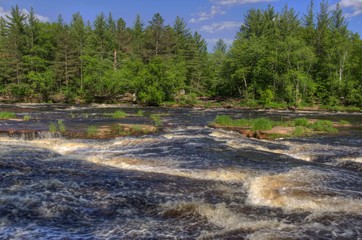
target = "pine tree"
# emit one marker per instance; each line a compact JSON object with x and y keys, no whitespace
{"x":16,"y":43}
{"x":138,"y":37}
{"x":66,"y":59}
{"x":79,"y":37}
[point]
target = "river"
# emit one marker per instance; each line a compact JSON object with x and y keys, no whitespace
{"x":188,"y":181}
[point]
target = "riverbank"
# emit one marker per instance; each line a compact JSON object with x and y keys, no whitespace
{"x":206,"y":103}
{"x":254,"y":105}
{"x":265,"y":128}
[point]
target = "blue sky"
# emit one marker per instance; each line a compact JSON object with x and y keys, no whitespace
{"x":214,"y":19}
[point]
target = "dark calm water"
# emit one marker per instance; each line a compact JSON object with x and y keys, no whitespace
{"x":188,"y":181}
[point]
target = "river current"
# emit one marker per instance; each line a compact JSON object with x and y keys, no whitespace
{"x":188,"y":181}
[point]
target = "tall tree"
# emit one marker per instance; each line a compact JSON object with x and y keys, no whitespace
{"x":138,"y":36}
{"x":66,"y":59}
{"x":80,"y":37}
{"x":16,"y":43}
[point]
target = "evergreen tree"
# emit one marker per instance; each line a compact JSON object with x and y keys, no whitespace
{"x":66,"y":59}
{"x":79,"y":37}
{"x":138,"y":37}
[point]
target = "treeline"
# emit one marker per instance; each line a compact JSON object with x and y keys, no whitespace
{"x":279,"y":57}
{"x":275,"y":58}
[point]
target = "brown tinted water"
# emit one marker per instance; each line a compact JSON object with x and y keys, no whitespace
{"x":187,"y":181}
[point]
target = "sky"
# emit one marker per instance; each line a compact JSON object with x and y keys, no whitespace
{"x":213,"y":19}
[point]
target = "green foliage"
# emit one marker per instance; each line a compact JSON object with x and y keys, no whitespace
{"x":26,"y":118}
{"x":57,"y":127}
{"x":188,"y":99}
{"x":255,"y":124}
{"x":299,"y":131}
{"x":276,"y":60}
{"x":7,"y":115}
{"x":156,"y":119}
{"x":323,"y":126}
{"x":261,"y":124}
{"x":301,"y":122}
{"x":61,"y":126}
{"x":140,"y":113}
{"x":224,"y":120}
{"x":53,"y":128}
{"x":344,"y":122}
{"x":91,"y":130}
{"x":119,"y":114}
{"x":267,"y":97}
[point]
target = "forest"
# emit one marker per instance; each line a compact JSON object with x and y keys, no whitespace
{"x":276,"y":58}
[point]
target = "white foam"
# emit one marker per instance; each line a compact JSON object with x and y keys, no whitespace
{"x":299,"y":190}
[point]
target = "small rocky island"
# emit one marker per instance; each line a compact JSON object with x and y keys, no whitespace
{"x":264,"y":128}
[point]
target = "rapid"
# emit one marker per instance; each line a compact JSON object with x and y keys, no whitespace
{"x":187,"y":181}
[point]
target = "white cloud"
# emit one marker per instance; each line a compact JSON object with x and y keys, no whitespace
{"x":237,"y":2}
{"x":202,"y":16}
{"x":354,"y":7}
{"x":41,"y":18}
{"x":220,"y":26}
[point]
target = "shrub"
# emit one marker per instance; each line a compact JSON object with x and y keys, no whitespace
{"x":7,"y":115}
{"x":156,"y":119}
{"x":119,"y":130}
{"x":299,"y":131}
{"x":189,"y":99}
{"x":301,"y":122}
{"x":53,"y":128}
{"x":261,"y":124}
{"x":26,"y":118}
{"x":323,"y":126}
{"x":119,"y":114}
{"x":140,"y":113}
{"x":137,"y":128}
{"x":61,"y":126}
{"x":223,"y":120}
{"x":91,"y":130}
{"x":344,"y":122}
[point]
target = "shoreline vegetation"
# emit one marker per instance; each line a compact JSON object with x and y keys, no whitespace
{"x":265,"y":128}
{"x":58,"y":128}
{"x":278,"y":59}
{"x":260,"y":128}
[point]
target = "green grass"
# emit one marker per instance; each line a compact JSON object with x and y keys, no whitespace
{"x":53,"y":128}
{"x":299,"y":131}
{"x":303,"y":126}
{"x":323,"y":126}
{"x":7,"y":115}
{"x":119,"y":130}
{"x":255,"y":124}
{"x":119,"y":114}
{"x":344,"y":122}
{"x":226,"y":120}
{"x":156,"y":119}
{"x":137,"y":128}
{"x":261,"y":124}
{"x":61,"y":126}
{"x":140,"y":113}
{"x":91,"y":130}
{"x":57,"y":127}
{"x":341,"y":108}
{"x":303,"y":122}
{"x":26,"y":118}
